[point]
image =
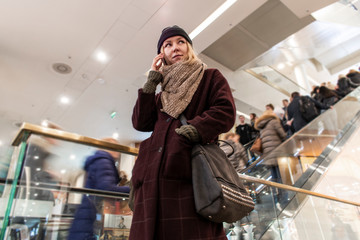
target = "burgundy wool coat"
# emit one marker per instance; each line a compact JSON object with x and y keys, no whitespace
{"x":161,"y":177}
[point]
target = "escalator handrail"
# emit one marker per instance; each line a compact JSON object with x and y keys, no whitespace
{"x":69,"y":189}
{"x":294,"y":189}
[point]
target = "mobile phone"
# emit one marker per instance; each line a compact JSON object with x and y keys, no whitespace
{"x":163,"y":61}
{"x":159,"y":63}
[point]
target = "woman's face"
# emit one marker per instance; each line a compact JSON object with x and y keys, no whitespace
{"x":175,"y":49}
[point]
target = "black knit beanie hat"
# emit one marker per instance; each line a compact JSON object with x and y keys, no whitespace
{"x":171,"y":32}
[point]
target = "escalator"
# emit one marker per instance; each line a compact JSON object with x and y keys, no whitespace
{"x":306,"y":159}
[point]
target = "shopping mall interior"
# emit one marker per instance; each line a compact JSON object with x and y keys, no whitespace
{"x":77,"y":66}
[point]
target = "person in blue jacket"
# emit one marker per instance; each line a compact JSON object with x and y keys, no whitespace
{"x":101,"y":174}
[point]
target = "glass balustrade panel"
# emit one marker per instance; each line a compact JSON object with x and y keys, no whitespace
{"x":305,"y":150}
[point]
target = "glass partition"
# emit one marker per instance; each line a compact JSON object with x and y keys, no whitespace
{"x":302,"y":216}
{"x":44,"y":189}
{"x":276,"y":79}
{"x":90,"y":215}
{"x":304,"y":153}
{"x":5,"y":159}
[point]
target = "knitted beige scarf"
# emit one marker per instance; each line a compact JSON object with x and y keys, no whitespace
{"x":181,"y":80}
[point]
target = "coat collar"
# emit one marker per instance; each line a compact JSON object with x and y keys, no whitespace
{"x":263,"y":120}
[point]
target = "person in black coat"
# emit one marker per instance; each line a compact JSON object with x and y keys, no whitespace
{"x":294,"y":113}
{"x":344,"y":86}
{"x":102,"y":175}
{"x":244,"y":130}
{"x":328,"y":96}
{"x":354,"y":76}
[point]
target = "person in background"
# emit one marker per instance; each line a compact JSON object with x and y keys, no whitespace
{"x":244,"y":130}
{"x":254,"y":132}
{"x":164,"y":205}
{"x":328,"y":96}
{"x":269,"y":107}
{"x":354,"y":76}
{"x":124,"y":179}
{"x":253,"y":118}
{"x":344,"y":86}
{"x":315,"y":93}
{"x":101,"y":174}
{"x":285,"y":103}
{"x":272,"y":135}
{"x":238,"y":158}
{"x":294,"y":113}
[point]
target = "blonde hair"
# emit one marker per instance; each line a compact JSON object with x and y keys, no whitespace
{"x":229,"y":135}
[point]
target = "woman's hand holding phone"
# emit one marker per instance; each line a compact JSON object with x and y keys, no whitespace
{"x":157,"y":62}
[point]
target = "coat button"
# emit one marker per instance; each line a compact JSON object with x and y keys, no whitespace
{"x":167,"y":120}
{"x":160,"y":149}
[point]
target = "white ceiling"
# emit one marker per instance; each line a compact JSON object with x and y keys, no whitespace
{"x":36,"y":34}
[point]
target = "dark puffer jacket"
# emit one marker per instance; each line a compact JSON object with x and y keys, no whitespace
{"x":354,"y":77}
{"x":103,"y":175}
{"x":271,"y":134}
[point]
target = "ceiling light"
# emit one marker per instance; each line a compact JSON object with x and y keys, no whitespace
{"x":241,"y":113}
{"x":72,"y":156}
{"x":44,"y":123}
{"x":101,"y":80}
{"x":115,"y":135}
{"x":281,"y":66}
{"x":101,"y":56}
{"x":211,"y":18}
{"x":64,"y":100}
{"x":1,"y":143}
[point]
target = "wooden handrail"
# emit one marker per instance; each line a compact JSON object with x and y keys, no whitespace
{"x":295,"y":189}
{"x":70,"y":137}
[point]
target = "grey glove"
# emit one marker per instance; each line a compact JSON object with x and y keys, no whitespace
{"x":189,"y":132}
{"x":154,"y":78}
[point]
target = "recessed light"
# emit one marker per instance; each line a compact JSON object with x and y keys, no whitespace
{"x":64,"y":100}
{"x":101,"y":56}
{"x":115,"y":135}
{"x":280,"y":66}
{"x":101,"y":80}
{"x":45,"y":123}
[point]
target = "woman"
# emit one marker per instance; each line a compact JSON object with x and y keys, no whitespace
{"x":328,"y":96}
{"x":235,"y":151}
{"x":271,"y":135}
{"x":163,"y":194}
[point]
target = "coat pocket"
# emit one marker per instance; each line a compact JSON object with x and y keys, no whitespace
{"x":138,"y":172}
{"x":178,"y":159}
